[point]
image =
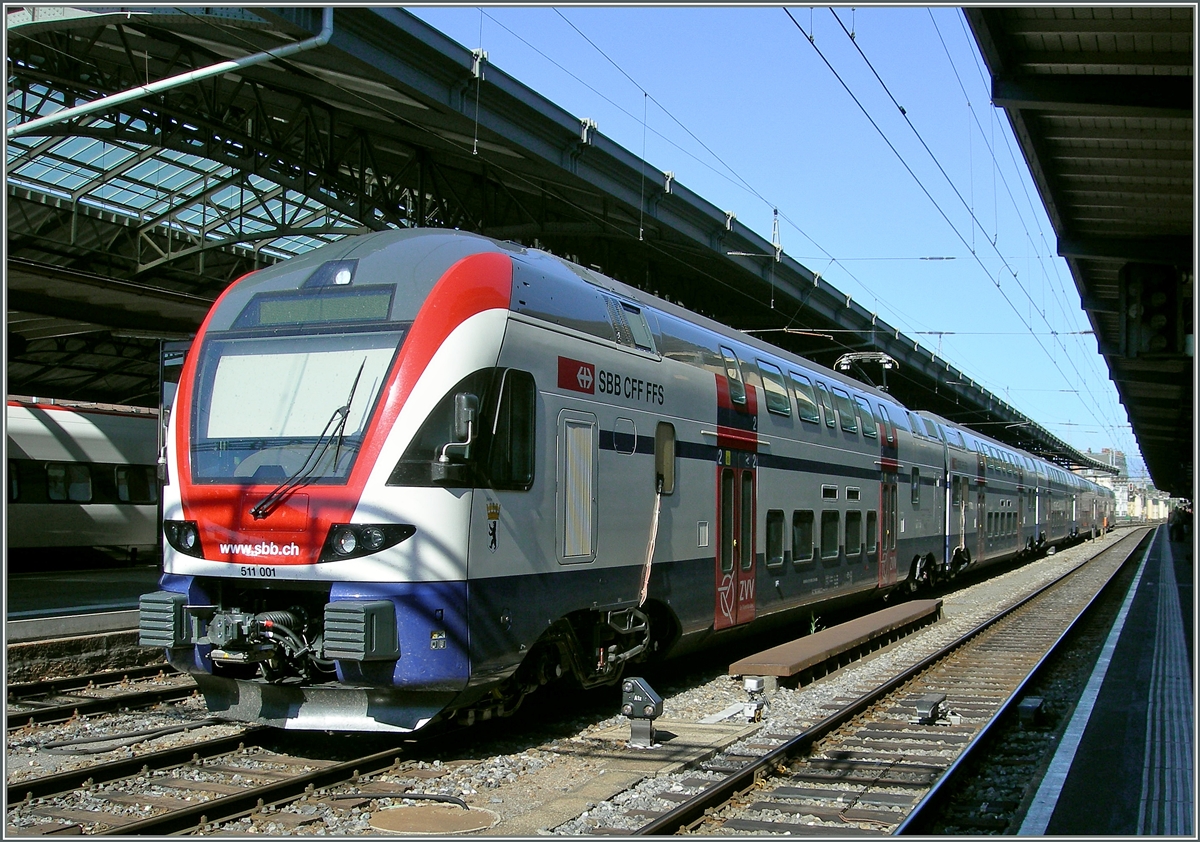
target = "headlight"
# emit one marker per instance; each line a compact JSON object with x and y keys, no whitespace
{"x":184,"y":535}
{"x":345,"y":541}
{"x":353,"y":540}
{"x":372,"y":538}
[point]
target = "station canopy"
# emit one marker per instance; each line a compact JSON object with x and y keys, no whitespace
{"x":128,"y":219}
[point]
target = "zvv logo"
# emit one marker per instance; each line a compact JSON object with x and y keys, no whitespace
{"x":576,"y":375}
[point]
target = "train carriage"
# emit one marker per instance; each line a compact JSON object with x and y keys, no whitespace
{"x":80,"y":476}
{"x":418,"y":474}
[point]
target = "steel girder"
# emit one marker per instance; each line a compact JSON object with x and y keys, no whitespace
{"x":388,"y":125}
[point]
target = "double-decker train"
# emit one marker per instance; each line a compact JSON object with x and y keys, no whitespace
{"x":80,"y":476}
{"x":417,"y":474}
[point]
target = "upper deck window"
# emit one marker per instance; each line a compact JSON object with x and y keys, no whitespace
{"x":845,"y":410}
{"x":826,"y":403}
{"x":733,"y":373}
{"x":776,"y":393}
{"x":885,"y":422}
{"x":806,"y":401}
{"x":868,"y":421}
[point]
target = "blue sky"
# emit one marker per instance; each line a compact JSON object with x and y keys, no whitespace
{"x":740,"y":105}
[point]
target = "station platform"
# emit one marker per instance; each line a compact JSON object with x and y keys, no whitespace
{"x":52,"y":593}
{"x":69,"y":602}
{"x":1125,"y":765}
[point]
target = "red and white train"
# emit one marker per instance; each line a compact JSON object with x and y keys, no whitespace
{"x":416,"y":474}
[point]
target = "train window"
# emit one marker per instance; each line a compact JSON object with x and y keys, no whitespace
{"x":854,"y":537}
{"x":68,"y":482}
{"x":802,"y":536}
{"x":916,"y":486}
{"x":932,"y":429}
{"x":624,"y":436}
{"x":868,"y":423}
{"x":733,"y":373}
{"x":416,"y":464}
{"x":872,"y":532}
{"x":830,"y":534}
{"x":845,"y":410}
{"x":664,"y":457}
{"x":829,"y":492}
{"x":14,"y":484}
{"x":955,"y":491}
{"x":806,"y":401}
{"x":774,"y":537}
{"x":747,"y":524}
{"x":640,"y":331}
{"x":853,"y":493}
{"x":885,"y":422}
{"x":136,"y":484}
{"x":264,"y":404}
{"x":510,"y":449}
{"x":915,"y":427}
{"x":776,"y":392}
{"x":826,"y":403}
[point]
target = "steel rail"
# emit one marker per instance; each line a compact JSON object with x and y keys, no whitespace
{"x":917,"y":820}
{"x":48,"y":686}
{"x":693,"y":810}
{"x":227,"y":807}
{"x":63,"y":782}
{"x":79,"y":707}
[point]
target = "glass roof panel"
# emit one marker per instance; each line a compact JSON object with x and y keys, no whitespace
{"x":168,"y":184}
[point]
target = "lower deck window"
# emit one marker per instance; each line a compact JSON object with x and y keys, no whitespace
{"x":830,"y":534}
{"x":854,"y":538}
{"x":774,"y":537}
{"x":70,"y":482}
{"x":802,"y":536}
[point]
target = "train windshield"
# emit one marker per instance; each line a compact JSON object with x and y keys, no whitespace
{"x":269,"y":407}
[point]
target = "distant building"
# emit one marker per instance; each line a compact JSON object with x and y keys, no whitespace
{"x":1135,"y":501}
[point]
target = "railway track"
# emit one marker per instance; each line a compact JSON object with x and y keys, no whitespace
{"x":60,"y":700}
{"x":265,"y":781}
{"x":26,"y":690}
{"x":867,"y":767}
{"x":199,"y":786}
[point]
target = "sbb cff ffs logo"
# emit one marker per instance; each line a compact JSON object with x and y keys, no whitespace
{"x":576,"y":375}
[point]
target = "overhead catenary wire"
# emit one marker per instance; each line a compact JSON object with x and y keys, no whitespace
{"x":565,"y":199}
{"x":925,"y":190}
{"x":1058,"y":290}
{"x":736,"y":177}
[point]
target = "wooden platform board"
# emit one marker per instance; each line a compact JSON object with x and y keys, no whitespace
{"x":790,"y":658}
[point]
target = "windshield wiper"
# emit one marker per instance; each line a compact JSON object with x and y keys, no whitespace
{"x":303,"y":474}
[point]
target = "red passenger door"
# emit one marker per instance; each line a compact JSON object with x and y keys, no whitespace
{"x":735,"y":545}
